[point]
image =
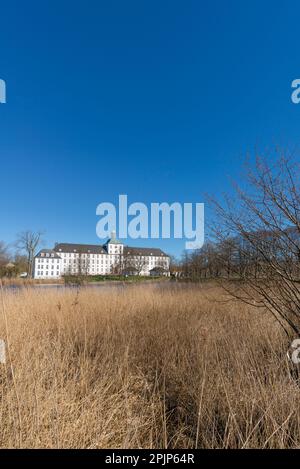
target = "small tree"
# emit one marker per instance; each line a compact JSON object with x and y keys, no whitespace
{"x":28,"y":242}
{"x":139,"y":263}
{"x":82,"y":263}
{"x":21,"y":263}
{"x":131,"y":261}
{"x":4,"y":257}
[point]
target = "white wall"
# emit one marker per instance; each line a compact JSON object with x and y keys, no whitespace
{"x":90,"y":264}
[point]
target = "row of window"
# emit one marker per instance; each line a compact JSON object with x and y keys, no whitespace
{"x":52,"y":261}
{"x":47,"y":273}
{"x":106,"y":260}
{"x":40,"y":264}
{"x":113,"y":256}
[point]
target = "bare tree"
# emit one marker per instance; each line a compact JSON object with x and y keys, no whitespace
{"x":4,"y":257}
{"x":28,"y":242}
{"x":203,"y":263}
{"x":139,"y":262}
{"x":120,"y":267}
{"x":260,"y":228}
{"x":131,"y":260}
{"x":82,"y":263}
{"x":20,"y":262}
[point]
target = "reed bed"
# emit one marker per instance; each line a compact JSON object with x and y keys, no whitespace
{"x":144,"y":366}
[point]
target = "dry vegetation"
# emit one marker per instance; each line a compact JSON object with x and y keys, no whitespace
{"x":143,"y":367}
{"x":24,"y":282}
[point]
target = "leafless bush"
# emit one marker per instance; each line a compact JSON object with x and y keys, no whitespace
{"x":258,"y":238}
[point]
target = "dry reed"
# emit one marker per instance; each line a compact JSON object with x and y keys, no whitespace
{"x":143,"y":367}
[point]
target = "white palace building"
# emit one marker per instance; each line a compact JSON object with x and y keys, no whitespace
{"x":111,"y":258}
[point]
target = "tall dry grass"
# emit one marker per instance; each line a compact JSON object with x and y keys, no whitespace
{"x":143,"y":367}
{"x":28,"y":282}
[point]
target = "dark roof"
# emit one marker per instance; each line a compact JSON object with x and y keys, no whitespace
{"x":48,"y":251}
{"x":128,"y":250}
{"x":98,"y":249}
{"x":80,"y":248}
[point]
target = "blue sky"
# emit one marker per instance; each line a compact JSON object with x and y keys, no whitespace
{"x":159,"y":100}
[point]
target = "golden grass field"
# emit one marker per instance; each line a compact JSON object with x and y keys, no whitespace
{"x":143,"y":367}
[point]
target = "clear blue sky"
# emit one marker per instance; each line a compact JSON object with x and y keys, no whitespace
{"x":159,"y":100}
